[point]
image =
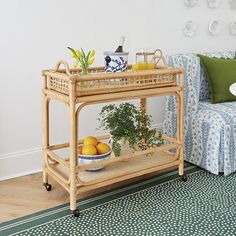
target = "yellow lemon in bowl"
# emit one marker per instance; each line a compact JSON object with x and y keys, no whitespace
{"x":80,"y":150}
{"x":90,"y":140}
{"x":103,"y":148}
{"x":89,"y":150}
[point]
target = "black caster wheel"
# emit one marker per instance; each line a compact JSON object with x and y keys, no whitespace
{"x":47,"y":186}
{"x":76,"y":212}
{"x":183,"y":177}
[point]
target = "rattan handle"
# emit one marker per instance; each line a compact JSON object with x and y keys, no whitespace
{"x":66,"y":67}
{"x":158,"y":54}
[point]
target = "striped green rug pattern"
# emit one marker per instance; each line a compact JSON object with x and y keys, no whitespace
{"x":161,"y":205}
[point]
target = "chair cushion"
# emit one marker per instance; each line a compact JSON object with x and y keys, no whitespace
{"x":223,"y":113}
{"x":220,"y":73}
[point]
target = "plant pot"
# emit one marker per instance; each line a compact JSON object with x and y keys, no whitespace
{"x":116,"y":61}
{"x":125,"y":148}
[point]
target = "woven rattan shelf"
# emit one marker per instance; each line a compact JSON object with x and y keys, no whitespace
{"x":76,"y":91}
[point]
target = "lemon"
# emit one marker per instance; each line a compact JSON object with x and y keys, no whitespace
{"x":89,"y":150}
{"x":103,"y":148}
{"x":90,"y":140}
{"x":80,"y":150}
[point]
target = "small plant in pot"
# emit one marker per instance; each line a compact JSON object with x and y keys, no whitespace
{"x":128,"y":125}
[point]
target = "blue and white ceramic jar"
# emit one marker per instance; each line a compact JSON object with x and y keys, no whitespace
{"x":116,"y":61}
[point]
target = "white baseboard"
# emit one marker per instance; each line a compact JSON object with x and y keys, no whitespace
{"x":27,"y":162}
{"x":20,"y":163}
{"x":158,"y":126}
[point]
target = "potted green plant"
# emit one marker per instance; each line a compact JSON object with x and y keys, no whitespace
{"x":130,"y":125}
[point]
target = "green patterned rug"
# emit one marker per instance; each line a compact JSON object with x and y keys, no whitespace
{"x":161,"y":205}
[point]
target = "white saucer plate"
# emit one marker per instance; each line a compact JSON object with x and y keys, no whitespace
{"x":190,"y":29}
{"x":191,"y":3}
{"x":214,"y":3}
{"x":232,"y":4}
{"x":214,"y":27}
{"x":232,"y":28}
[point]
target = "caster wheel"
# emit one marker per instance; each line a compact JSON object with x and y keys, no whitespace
{"x":76,"y":212}
{"x":47,"y":186}
{"x":183,"y":177}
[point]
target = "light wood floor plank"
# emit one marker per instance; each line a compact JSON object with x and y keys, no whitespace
{"x":26,"y":195}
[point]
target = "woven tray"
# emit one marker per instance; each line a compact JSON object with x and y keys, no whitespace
{"x":98,"y":82}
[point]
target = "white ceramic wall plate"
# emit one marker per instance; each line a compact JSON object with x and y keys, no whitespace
{"x":232,"y":4}
{"x":232,"y":89}
{"x":214,"y":3}
{"x":214,"y":27}
{"x":232,"y":28}
{"x":191,"y":3}
{"x":190,"y":29}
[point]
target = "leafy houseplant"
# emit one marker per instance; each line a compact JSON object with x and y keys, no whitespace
{"x":131,"y":124}
{"x":82,"y":59}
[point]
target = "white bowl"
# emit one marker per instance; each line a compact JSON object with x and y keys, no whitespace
{"x":87,"y":159}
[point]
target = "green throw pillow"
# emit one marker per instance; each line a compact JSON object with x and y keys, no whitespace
{"x":220,"y":74}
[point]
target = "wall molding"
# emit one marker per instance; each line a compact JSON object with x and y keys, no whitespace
{"x":21,"y":163}
{"x":19,"y":153}
{"x":158,"y":126}
{"x":28,"y":161}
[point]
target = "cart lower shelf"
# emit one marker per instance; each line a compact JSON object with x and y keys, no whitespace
{"x":119,"y":170}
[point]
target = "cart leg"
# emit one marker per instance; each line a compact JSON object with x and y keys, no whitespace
{"x":45,"y":125}
{"x":180,"y":98}
{"x":45,"y":175}
{"x":73,"y":151}
{"x":182,"y":175}
{"x":143,"y":103}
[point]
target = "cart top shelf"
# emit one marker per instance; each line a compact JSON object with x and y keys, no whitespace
{"x":97,"y":82}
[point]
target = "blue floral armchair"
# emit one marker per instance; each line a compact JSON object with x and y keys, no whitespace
{"x":209,"y":129}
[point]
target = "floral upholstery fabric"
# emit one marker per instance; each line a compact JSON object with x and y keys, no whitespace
{"x":209,"y":129}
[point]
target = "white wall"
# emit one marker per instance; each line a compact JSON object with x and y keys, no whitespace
{"x":35,"y":34}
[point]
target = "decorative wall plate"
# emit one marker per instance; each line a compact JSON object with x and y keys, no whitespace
{"x":214,"y":3}
{"x":232,"y":4}
{"x":214,"y":27}
{"x":232,"y":89}
{"x":190,"y":29}
{"x":232,"y":28}
{"x":191,"y":3}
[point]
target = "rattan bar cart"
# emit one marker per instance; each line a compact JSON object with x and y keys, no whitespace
{"x":68,"y":86}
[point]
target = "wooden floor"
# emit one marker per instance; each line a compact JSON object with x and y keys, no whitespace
{"x":25,"y":195}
